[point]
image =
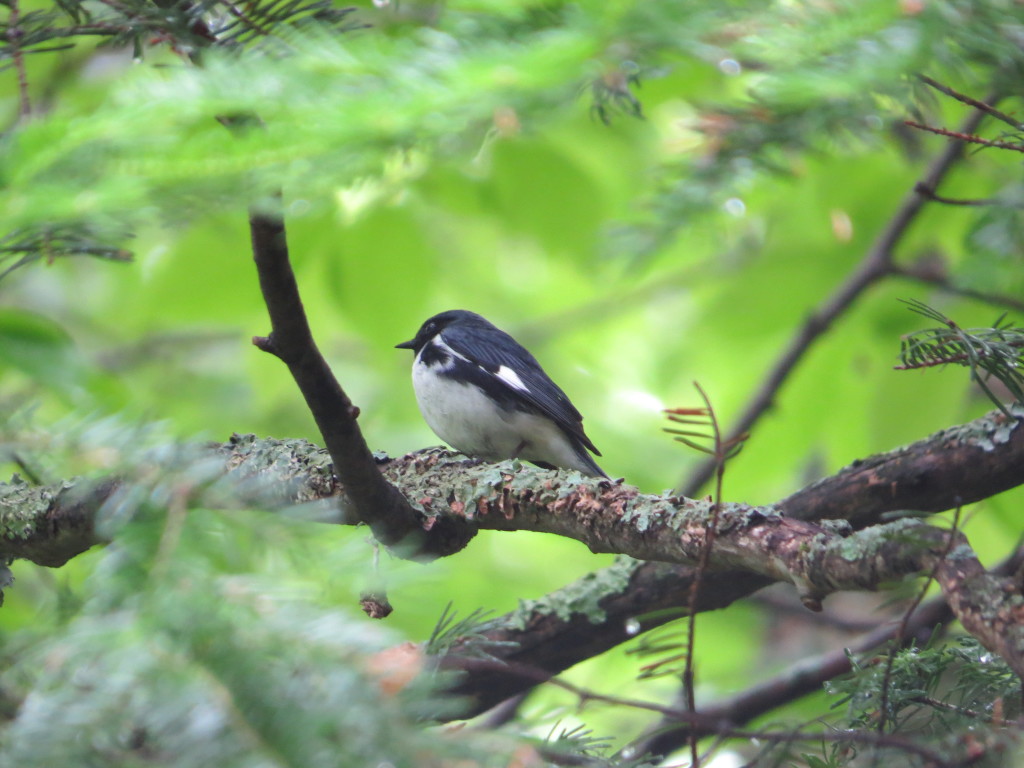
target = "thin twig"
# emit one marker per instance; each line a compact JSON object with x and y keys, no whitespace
{"x":26,"y":470}
{"x":965,"y":136}
{"x":801,"y":679}
{"x":883,"y":704}
{"x":921,"y":189}
{"x":988,"y":109}
{"x":855,"y":737}
{"x":14,"y":34}
{"x":784,"y":604}
{"x":877,"y":264}
{"x":701,"y":568}
{"x":931,"y":277}
{"x":999,"y":722}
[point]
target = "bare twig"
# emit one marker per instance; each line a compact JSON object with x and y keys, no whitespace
{"x":705,"y":723}
{"x":720,"y":454}
{"x":921,"y":189}
{"x":985,"y":717}
{"x":877,"y":264}
{"x":967,"y":136}
{"x":780,"y":604}
{"x":941,"y":281}
{"x":14,"y":34}
{"x":988,"y":109}
{"x":853,"y":737}
{"x":27,"y":471}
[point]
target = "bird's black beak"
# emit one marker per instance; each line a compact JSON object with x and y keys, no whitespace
{"x":410,"y":344}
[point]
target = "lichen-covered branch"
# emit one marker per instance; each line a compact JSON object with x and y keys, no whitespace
{"x":967,"y":462}
{"x":50,"y":524}
{"x":754,"y":545}
{"x":609,"y":517}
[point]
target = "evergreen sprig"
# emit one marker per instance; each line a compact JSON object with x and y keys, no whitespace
{"x":260,"y":19}
{"x":465,"y":636}
{"x":996,"y":352}
{"x":28,"y":244}
{"x":187,"y":25}
{"x":939,"y":692}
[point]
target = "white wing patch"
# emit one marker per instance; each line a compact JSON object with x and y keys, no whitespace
{"x":439,"y":343}
{"x":511,"y":378}
{"x":442,"y":344}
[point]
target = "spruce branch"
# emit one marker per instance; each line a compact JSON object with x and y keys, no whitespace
{"x":612,"y":92}
{"x":15,"y":37}
{"x":252,"y":21}
{"x":996,"y":352}
{"x":188,"y":27}
{"x":981,"y":202}
{"x":884,"y":715}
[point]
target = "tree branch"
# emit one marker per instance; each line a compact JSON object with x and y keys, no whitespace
{"x":375,"y":501}
{"x":927,"y":476}
{"x":937,"y":277}
{"x":595,"y":614}
{"x":967,"y":136}
{"x":988,"y":109}
{"x":876,"y":264}
{"x":608,"y":607}
{"x":805,"y":677}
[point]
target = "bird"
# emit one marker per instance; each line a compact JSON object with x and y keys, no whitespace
{"x":485,"y":395}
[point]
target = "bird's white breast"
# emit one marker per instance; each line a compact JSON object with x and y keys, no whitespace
{"x":469,"y":421}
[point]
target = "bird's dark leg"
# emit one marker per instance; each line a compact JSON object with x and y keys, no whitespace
{"x":518,"y":450}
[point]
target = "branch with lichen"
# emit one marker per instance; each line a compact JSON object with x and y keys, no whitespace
{"x":51,"y":524}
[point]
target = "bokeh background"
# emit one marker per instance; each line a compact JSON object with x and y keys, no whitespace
{"x":636,"y":236}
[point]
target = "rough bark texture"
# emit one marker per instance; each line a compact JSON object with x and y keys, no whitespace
{"x":967,"y":462}
{"x":454,"y":496}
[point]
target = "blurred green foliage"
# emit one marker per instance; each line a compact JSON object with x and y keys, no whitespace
{"x":452,"y":158}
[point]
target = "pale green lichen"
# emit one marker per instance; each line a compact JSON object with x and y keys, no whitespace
{"x":855,"y":547}
{"x":991,"y":430}
{"x":22,"y":507}
{"x":582,"y":597}
{"x":641,"y":515}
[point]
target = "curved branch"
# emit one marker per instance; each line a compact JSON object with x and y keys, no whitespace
{"x":374,"y":500}
{"x":876,"y":264}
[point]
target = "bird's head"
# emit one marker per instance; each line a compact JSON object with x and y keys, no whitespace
{"x":438,"y":323}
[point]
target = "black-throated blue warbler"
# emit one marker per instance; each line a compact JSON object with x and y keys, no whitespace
{"x":487,"y":397}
